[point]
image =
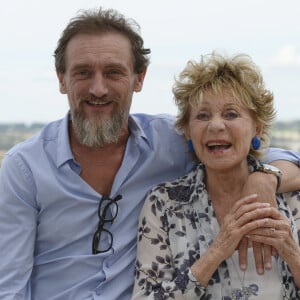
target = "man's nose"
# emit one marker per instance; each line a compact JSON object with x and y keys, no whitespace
{"x":98,"y":85}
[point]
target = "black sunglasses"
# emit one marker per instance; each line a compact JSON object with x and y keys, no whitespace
{"x":105,"y":203}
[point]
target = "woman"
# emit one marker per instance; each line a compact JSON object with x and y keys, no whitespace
{"x":190,"y":228}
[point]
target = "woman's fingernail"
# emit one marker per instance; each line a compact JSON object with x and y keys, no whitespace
{"x":260,"y":271}
{"x":268,"y":266}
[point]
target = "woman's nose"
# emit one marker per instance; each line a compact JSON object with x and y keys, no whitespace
{"x":216,"y":123}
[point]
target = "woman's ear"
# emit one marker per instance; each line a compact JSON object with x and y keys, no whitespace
{"x":259,"y":130}
{"x":186,"y":132}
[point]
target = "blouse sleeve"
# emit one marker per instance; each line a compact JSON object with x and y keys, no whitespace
{"x":293,"y":201}
{"x":155,"y":274}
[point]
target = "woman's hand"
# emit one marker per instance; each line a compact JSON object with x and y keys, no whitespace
{"x":278,"y":234}
{"x":246,"y":215}
{"x":264,"y":185}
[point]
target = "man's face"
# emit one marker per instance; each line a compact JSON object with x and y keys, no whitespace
{"x":99,"y":81}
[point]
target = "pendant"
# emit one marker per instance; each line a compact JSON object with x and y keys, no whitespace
{"x":241,"y":294}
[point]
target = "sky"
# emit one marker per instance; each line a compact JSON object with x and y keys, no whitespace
{"x":175,"y":31}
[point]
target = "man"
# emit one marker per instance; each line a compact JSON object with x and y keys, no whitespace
{"x":71,"y":196}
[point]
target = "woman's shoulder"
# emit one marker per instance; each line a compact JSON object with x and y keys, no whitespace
{"x":181,"y":189}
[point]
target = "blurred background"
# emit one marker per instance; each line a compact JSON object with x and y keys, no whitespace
{"x":175,"y":30}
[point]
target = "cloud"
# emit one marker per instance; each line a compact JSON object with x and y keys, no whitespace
{"x":286,"y":56}
{"x":175,"y":30}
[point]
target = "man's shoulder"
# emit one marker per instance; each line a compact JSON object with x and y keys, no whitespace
{"x":146,"y":121}
{"x":48,"y":133}
{"x":151,"y":117}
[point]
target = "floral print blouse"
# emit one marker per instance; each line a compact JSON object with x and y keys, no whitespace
{"x":176,"y":227}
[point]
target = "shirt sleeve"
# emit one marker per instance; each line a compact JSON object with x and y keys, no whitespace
{"x":17,"y":228}
{"x":155,"y":274}
{"x":282,"y":154}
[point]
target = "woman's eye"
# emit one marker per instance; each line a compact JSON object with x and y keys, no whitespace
{"x":203,"y":116}
{"x":231,"y":114}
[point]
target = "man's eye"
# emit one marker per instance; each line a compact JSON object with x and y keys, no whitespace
{"x":82,"y":74}
{"x":113,"y":72}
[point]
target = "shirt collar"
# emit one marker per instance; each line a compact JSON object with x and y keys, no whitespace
{"x":136,"y":130}
{"x":64,"y":152}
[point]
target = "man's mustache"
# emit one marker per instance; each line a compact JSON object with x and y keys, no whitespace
{"x":91,"y":98}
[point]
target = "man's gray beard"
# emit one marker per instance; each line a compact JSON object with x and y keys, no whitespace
{"x":97,"y":132}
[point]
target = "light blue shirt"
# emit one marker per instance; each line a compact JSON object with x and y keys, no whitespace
{"x":48,"y":214}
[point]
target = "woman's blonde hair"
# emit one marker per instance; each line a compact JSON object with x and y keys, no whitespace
{"x":215,"y":73}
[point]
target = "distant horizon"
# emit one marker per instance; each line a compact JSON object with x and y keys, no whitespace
{"x":266,"y":30}
{"x":47,"y":122}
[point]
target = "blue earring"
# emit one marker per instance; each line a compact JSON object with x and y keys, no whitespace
{"x":255,"y":143}
{"x":191,"y":146}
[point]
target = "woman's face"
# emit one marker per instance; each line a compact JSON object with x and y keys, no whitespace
{"x":221,"y":131}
